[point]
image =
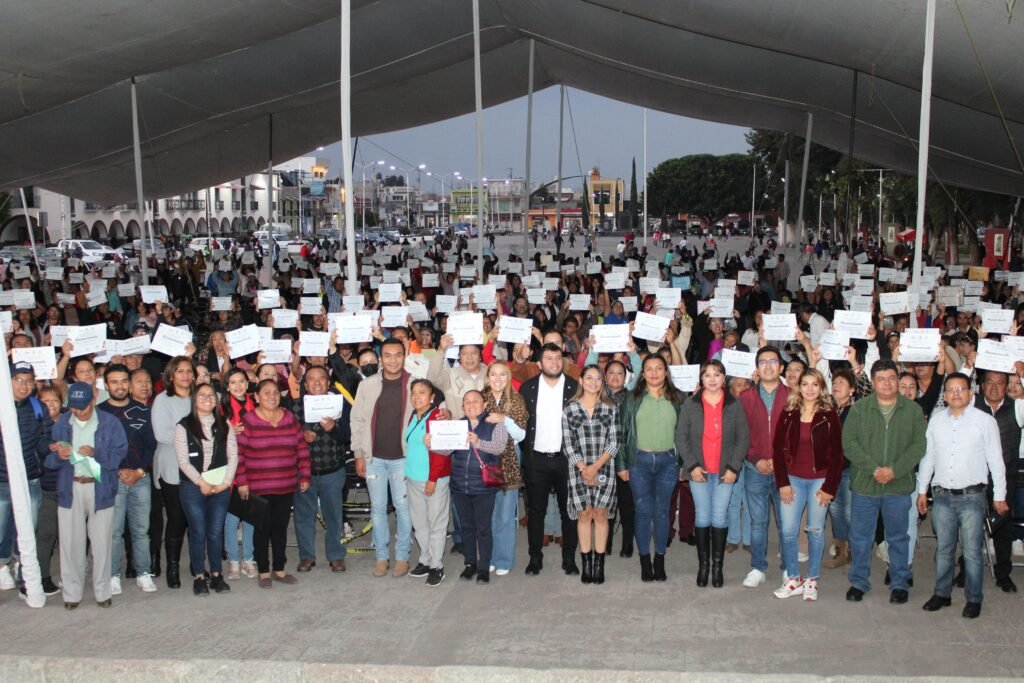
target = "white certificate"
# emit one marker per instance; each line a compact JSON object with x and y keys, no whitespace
{"x":864,"y":287}
{"x":780,"y":307}
{"x":151,"y":294}
{"x":126,"y":289}
{"x":739,"y":363}
{"x":919,"y":345}
{"x":58,"y":335}
{"x":610,"y":338}
{"x":536,"y":295}
{"x":353,"y":329}
{"x":827,"y":279}
{"x":88,"y":339}
{"x":861,"y":304}
{"x":64,"y":299}
{"x":220,"y":303}
{"x":579,"y":302}
{"x":26,"y":299}
{"x":76,"y":278}
{"x":316,"y":408}
{"x":431,"y":280}
{"x":353,"y":303}
{"x":314,"y":343}
{"x":446,"y":303}
{"x":418,"y":312}
{"x":330,"y":269}
{"x":5,"y":322}
{"x":1015,"y":347}
{"x":515,"y":330}
{"x":43,"y":360}
{"x":390,"y":291}
{"x":893,"y":303}
{"x":853,"y":323}
{"x":616,"y":281}
{"x":993,"y":355}
{"x":93,"y":298}
{"x":310,"y":305}
{"x":593,"y":267}
{"x":780,"y":327}
{"x":745,"y":278}
{"x":997,"y":320}
{"x":650,"y":327}
{"x":243,"y":341}
{"x":629,"y":303}
{"x":711,"y":264}
{"x":55,"y":273}
{"x":394,"y":316}
{"x":133,"y":346}
{"x":171,"y":340}
{"x":285,"y":319}
{"x":834,"y":344}
{"x":277,"y":351}
{"x":808,"y":283}
{"x":685,"y":377}
{"x":949,"y":296}
{"x":268,"y":298}
{"x":649,"y":285}
{"x":485,"y":296}
{"x":311,"y":286}
{"x":668,"y":297}
{"x":466,"y":328}
{"x":721,"y":307}
{"x":448,"y":435}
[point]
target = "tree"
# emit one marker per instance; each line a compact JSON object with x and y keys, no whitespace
{"x":394,"y":181}
{"x":634,"y":210}
{"x":703,"y":184}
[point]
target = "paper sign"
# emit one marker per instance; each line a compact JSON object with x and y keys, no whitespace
{"x":466,"y":328}
{"x":779,"y":327}
{"x":949,"y":296}
{"x":827,"y":279}
{"x":448,"y":435}
{"x":446,"y":303}
{"x":152,"y":294}
{"x":668,"y":297}
{"x":834,"y":345}
{"x":629,"y":303}
{"x":977,"y":273}
{"x":853,"y":323}
{"x":997,"y":320}
{"x":43,"y":360}
{"x":326,"y":406}
{"x":650,"y":327}
{"x":220,"y":303}
{"x":26,"y":299}
{"x":285,"y":318}
{"x":6,"y":318}
{"x":610,"y":338}
{"x":993,"y":355}
{"x":277,"y":351}
{"x":88,"y":339}
{"x":390,"y":292}
{"x":314,"y":343}
{"x":330,"y":269}
{"x":431,"y":280}
{"x":739,"y":363}
{"x":579,"y":302}
{"x":243,"y":341}
{"x":893,"y":303}
{"x":615,"y":281}
{"x":310,"y":305}
{"x":919,"y":345}
{"x":54,"y":273}
{"x":515,"y":330}
{"x":170,"y":340}
{"x":394,"y":316}
{"x":685,"y":377}
{"x":133,"y":346}
{"x":126,"y":289}
{"x":353,"y":329}
{"x":268,"y":298}
{"x":780,"y":307}
{"x":744,"y":277}
{"x":93,"y":298}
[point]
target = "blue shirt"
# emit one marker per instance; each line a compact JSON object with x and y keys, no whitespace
{"x":417,"y":457}
{"x":768,"y":397}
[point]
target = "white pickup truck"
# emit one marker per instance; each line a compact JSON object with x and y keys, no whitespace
{"x":92,"y":251}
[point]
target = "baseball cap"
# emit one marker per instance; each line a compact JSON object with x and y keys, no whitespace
{"x":79,"y":395}
{"x":22,"y":368}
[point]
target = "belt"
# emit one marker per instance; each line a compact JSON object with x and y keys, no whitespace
{"x":548,"y":455}
{"x":976,"y":488}
{"x":85,"y":480}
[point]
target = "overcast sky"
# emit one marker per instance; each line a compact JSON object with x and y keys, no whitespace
{"x":608,"y":134}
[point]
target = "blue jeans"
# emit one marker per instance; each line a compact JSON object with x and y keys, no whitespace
{"x":804,"y":496}
{"x":840,"y":509}
{"x":739,"y":513}
{"x":379,"y":475}
{"x":504,"y":522}
{"x":327,"y":490}
{"x":711,"y":502}
{"x":7,"y":530}
{"x":963,"y":517}
{"x":132,"y":504}
{"x":205,"y":515}
{"x":231,"y":539}
{"x":761,"y":496}
{"x":862,"y":536}
{"x":652,"y":479}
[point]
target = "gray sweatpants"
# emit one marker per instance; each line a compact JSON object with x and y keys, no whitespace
{"x":78,"y":524}
{"x":429,"y":516}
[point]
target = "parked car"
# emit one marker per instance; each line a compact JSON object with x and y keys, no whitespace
{"x":92,"y":251}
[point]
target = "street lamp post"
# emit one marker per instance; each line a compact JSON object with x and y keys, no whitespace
{"x":363,"y":191}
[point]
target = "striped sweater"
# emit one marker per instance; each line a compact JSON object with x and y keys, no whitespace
{"x":272,"y":460}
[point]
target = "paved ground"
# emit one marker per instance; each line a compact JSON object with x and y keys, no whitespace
{"x":532,"y":623}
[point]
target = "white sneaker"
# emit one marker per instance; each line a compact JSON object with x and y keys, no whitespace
{"x":145,"y":582}
{"x":810,"y":590}
{"x":791,"y":587}
{"x":234,"y":569}
{"x":801,"y":557}
{"x":754,"y":579}
{"x":1018,"y":547}
{"x":882,"y":552}
{"x":115,"y":585}
{"x":6,"y":578}
{"x":249,"y":570}
{"x":501,"y":572}
{"x":492,"y":568}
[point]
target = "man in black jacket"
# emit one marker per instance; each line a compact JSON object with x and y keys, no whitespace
{"x":544,"y":464}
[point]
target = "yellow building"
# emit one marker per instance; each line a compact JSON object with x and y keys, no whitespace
{"x":608,"y":191}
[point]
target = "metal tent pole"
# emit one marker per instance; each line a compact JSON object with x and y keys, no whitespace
{"x":31,"y":234}
{"x":529,"y":152}
{"x":645,"y":179}
{"x":143,"y":260}
{"x":803,"y":174}
{"x":479,"y":141}
{"x":923,"y":138}
{"x":352,"y":281}
{"x":561,"y":127}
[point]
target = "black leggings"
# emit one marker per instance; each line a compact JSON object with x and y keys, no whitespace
{"x":166,"y":498}
{"x":273,"y":532}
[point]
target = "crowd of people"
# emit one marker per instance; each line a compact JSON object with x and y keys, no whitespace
{"x":575,"y":396}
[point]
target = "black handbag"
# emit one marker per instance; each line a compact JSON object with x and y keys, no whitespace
{"x":252,"y":510}
{"x":994,"y":522}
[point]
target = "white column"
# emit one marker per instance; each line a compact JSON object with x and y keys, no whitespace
{"x":478,"y":86}
{"x":31,"y":233}
{"x":645,"y":178}
{"x":561,"y":119}
{"x":19,"y":487}
{"x":881,"y":204}
{"x":803,"y":175}
{"x":352,"y":280}
{"x":529,"y":151}
{"x":138,"y":188}
{"x":923,"y":139}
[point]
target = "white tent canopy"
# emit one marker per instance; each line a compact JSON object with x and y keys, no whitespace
{"x":212,"y":76}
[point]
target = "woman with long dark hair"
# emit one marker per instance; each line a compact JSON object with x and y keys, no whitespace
{"x":714,"y":439}
{"x":235,"y":402}
{"x":647,"y":459}
{"x":207,"y":458}
{"x":590,"y":440}
{"x":808,"y":463}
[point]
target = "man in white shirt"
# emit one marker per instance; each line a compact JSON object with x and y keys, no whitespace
{"x":544,"y":464}
{"x":963,"y":450}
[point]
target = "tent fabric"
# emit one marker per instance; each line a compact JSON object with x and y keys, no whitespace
{"x":225,"y":86}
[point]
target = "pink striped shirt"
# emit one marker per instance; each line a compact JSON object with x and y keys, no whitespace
{"x":272,"y":460}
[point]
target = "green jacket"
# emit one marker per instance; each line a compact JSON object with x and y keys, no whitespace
{"x":626,"y":456}
{"x":868,"y":444}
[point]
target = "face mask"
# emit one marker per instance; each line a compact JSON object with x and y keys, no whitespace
{"x":369,"y":370}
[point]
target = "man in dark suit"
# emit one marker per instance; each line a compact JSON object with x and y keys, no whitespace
{"x":544,"y":464}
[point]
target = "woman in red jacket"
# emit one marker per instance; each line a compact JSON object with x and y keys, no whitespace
{"x":808,"y":460}
{"x":427,"y":475}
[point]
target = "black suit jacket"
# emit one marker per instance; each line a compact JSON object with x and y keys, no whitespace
{"x":529,"y":393}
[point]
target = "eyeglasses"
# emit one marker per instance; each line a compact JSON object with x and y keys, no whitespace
{"x":768,"y":361}
{"x":21,"y":379}
{"x":884,"y":380}
{"x":957,"y":390}
{"x":206,"y":396}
